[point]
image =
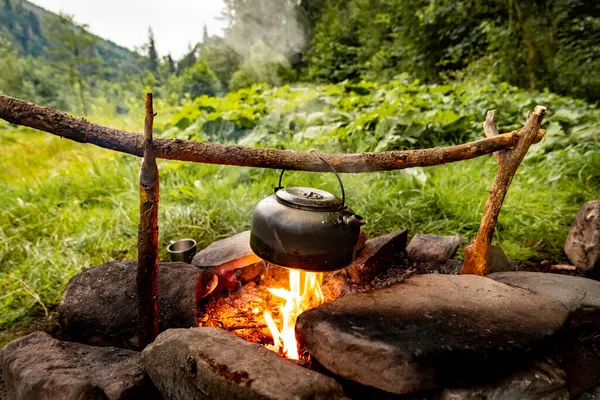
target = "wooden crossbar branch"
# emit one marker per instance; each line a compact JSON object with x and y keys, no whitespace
{"x":147,"y":273}
{"x":78,"y":129}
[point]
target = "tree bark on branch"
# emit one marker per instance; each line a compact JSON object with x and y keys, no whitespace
{"x":78,"y":129}
{"x":476,"y":254}
{"x":147,"y":273}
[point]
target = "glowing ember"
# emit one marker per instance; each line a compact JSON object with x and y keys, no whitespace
{"x":304,"y":294}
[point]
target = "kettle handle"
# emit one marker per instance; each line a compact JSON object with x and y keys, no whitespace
{"x":330,"y":167}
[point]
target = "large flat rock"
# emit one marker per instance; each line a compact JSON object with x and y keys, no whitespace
{"x":430,"y":331}
{"x":211,"y":363}
{"x":99,"y":305}
{"x":228,"y":250}
{"x":39,"y":367}
{"x":581,"y":296}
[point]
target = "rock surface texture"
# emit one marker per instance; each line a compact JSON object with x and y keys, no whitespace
{"x":428,"y":332}
{"x":225,"y":251}
{"x":497,"y":261}
{"x":543,"y":380}
{"x":377,"y":255}
{"x":581,"y":296}
{"x":232,"y":260}
{"x":99,"y":305}
{"x":583,"y":243}
{"x":38,"y":367}
{"x":2,"y":386}
{"x":211,"y":363}
{"x":433,"y":248}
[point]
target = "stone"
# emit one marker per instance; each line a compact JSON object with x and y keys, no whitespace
{"x":235,"y":249}
{"x":39,"y":367}
{"x":497,"y":261}
{"x":543,"y":380}
{"x":3,"y":395}
{"x":580,"y":358}
{"x":232,"y":260}
{"x":99,"y":305}
{"x":433,"y":248}
{"x":211,"y":363}
{"x":591,"y":394}
{"x":430,"y":331}
{"x":451,"y":267}
{"x":583,"y":242}
{"x":377,"y":255}
{"x":581,"y":296}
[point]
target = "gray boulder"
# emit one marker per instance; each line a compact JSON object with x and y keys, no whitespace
{"x":226,"y":250}
{"x":99,"y":305}
{"x":583,"y":242}
{"x":377,"y":255}
{"x":428,"y":332}
{"x":497,"y":261}
{"x":433,"y":248}
{"x":211,"y":363}
{"x":38,"y":367}
{"x":581,"y":296}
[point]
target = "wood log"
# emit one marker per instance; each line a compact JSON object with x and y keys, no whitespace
{"x":508,"y":162}
{"x":147,"y":273}
{"x":78,"y":129}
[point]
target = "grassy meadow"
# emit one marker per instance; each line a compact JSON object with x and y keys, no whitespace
{"x":66,"y":206}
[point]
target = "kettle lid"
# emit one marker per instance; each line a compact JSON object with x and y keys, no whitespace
{"x":310,"y":198}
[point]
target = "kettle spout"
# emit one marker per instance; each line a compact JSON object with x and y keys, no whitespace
{"x":354,"y":220}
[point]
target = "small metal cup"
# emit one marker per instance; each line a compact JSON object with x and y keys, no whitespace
{"x":182,"y":250}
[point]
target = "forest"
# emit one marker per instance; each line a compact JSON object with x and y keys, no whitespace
{"x":341,"y":76}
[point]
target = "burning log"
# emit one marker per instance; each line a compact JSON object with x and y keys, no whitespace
{"x":49,"y":120}
{"x":508,"y":162}
{"x":147,"y":273}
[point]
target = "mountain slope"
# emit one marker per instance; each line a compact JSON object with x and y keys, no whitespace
{"x":26,"y":25}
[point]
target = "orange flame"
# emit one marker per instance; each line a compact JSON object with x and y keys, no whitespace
{"x":305,"y":293}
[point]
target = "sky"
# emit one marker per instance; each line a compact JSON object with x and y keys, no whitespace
{"x":176,"y":23}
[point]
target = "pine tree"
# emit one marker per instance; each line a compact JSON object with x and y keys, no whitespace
{"x":9,"y":14}
{"x":152,"y":53}
{"x":205,"y":36}
{"x":171,"y":69}
{"x":73,"y":50}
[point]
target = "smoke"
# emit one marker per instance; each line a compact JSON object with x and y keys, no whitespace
{"x":276,"y":23}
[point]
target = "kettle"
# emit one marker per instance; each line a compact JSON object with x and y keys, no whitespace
{"x":305,"y":228}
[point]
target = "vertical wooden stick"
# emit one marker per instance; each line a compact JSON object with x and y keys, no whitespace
{"x":508,"y":162}
{"x":147,"y":273}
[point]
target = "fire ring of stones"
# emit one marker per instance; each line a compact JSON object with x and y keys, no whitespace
{"x":397,"y":323}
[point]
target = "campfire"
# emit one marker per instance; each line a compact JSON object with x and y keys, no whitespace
{"x":304,"y":293}
{"x":265,"y":311}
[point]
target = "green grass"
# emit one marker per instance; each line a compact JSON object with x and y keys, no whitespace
{"x":67,"y":206}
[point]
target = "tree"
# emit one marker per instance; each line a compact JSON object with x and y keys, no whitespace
{"x":220,"y":58}
{"x":170,"y":65}
{"x":189,"y":59}
{"x":152,"y":53}
{"x":199,"y":79}
{"x":8,"y":14}
{"x":73,"y":51}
